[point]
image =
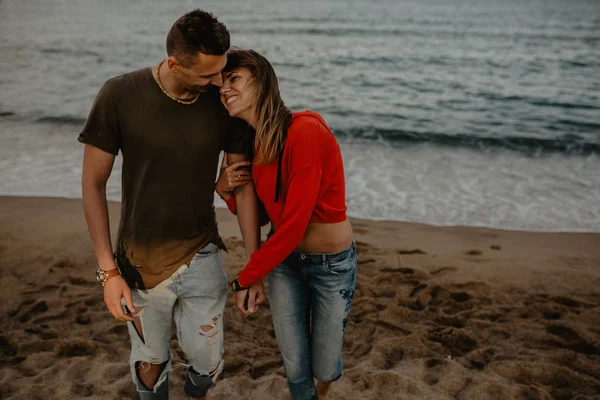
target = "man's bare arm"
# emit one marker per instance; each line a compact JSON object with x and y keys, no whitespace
{"x":247,"y":210}
{"x":97,"y":166}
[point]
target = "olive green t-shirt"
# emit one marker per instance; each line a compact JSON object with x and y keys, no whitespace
{"x":170,"y":155}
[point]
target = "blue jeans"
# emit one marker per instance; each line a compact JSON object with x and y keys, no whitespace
{"x":194,"y":296}
{"x":310,"y":296}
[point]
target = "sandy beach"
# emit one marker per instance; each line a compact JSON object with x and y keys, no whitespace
{"x":439,"y":313}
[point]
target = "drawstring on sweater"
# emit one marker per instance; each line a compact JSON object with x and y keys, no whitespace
{"x":279,"y":161}
{"x":278,"y":182}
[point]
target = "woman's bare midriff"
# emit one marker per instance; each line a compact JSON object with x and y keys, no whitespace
{"x":326,"y":238}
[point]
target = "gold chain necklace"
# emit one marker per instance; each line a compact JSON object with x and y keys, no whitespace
{"x":160,"y":85}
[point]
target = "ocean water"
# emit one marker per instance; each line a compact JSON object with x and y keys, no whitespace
{"x":448,"y":112}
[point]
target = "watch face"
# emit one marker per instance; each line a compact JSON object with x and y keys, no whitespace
{"x":99,"y":276}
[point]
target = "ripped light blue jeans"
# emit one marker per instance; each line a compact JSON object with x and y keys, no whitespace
{"x":311,"y":296}
{"x":194,"y":296}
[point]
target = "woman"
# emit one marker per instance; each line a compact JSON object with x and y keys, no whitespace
{"x":310,"y":257}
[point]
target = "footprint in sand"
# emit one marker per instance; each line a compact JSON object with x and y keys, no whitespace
{"x":264,"y":367}
{"x":42,"y":331}
{"x":74,"y":280}
{"x":451,"y":299}
{"x":234,"y":366}
{"x":479,"y":358}
{"x":435,"y":369}
{"x":360,"y":350}
{"x":571,"y":339}
{"x":20,"y":307}
{"x":562,"y":382}
{"x":48,"y":335}
{"x":567,"y":301}
{"x":83,"y":319}
{"x":9,"y":350}
{"x":392,"y":327}
{"x":37,"y":308}
{"x":417,"y":289}
{"x":449,"y":320}
{"x":552,"y":315}
{"x":93,"y":301}
{"x":76,"y":348}
{"x":455,"y":340}
{"x":82,"y":389}
{"x":388,"y":356}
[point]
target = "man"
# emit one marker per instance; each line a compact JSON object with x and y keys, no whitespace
{"x":170,"y":126}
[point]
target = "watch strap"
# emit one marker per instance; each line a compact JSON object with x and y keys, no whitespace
{"x":106,"y":275}
{"x":236,"y":287}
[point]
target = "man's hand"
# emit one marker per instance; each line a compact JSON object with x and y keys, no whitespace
{"x":256,"y":296}
{"x":232,"y":176}
{"x":115,"y":289}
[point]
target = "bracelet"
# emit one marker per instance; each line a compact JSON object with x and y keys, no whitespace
{"x":236,"y":287}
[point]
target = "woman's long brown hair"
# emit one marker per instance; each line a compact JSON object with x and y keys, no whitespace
{"x":272,"y":116}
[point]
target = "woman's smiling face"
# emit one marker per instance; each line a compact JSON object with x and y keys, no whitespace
{"x":238,"y":94}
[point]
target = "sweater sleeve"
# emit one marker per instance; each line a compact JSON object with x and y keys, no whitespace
{"x":301,"y":196}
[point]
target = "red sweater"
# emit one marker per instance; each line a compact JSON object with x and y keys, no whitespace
{"x":312,"y":190}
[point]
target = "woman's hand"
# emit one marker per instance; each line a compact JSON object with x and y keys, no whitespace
{"x":247,"y":301}
{"x":232,"y":176}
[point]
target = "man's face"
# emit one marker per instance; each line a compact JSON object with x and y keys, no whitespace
{"x":203,"y":73}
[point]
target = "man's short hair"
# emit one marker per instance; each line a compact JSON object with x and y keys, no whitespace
{"x":197,"y":32}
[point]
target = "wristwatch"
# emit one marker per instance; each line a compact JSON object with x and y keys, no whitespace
{"x":102,"y":276}
{"x":236,"y":287}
